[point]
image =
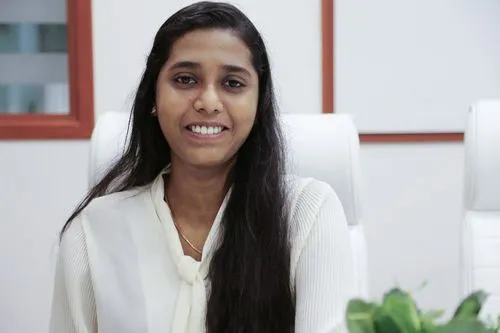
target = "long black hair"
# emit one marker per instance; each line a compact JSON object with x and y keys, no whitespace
{"x":250,"y":271}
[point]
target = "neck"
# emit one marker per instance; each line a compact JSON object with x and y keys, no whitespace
{"x":194,"y":194}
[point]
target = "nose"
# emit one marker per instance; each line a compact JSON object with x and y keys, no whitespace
{"x":208,"y":100}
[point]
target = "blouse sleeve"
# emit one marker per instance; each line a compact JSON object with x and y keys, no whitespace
{"x":325,"y":272}
{"x":73,"y":304}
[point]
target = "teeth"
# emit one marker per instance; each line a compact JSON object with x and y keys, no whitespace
{"x":206,"y":130}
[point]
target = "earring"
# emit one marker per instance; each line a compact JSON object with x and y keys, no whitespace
{"x":153,"y":111}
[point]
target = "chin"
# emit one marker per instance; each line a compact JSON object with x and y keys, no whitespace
{"x":209,"y":161}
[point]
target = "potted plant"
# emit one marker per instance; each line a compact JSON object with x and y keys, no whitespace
{"x":398,"y":313}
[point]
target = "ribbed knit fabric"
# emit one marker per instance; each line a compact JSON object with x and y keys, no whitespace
{"x":121,"y":267}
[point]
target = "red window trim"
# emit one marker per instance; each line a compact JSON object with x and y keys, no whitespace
{"x":80,"y":121}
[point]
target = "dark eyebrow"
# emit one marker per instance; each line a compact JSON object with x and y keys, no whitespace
{"x":186,"y":64}
{"x":236,"y":69}
{"x":196,"y":66}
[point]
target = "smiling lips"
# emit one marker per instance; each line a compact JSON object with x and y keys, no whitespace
{"x":206,"y":131}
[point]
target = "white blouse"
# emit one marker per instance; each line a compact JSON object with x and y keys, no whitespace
{"x":121,"y":267}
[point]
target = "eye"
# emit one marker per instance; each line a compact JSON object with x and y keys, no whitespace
{"x":233,"y":84}
{"x":185,"y":80}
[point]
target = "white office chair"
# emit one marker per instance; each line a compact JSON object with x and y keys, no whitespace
{"x":481,"y":227}
{"x":322,"y":146}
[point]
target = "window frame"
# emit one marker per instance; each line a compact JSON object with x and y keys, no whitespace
{"x":78,"y":124}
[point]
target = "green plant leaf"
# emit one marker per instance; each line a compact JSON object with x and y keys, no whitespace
{"x":384,"y":323}
{"x":469,"y":325}
{"x":398,"y":313}
{"x":360,"y":316}
{"x":402,"y":309}
{"x":433,"y":314}
{"x":428,"y":327}
{"x":471,"y":306}
{"x":428,"y":320}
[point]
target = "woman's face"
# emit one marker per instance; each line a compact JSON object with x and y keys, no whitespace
{"x":206,"y":97}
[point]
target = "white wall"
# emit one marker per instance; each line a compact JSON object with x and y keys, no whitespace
{"x":413,"y":191}
{"x":413,"y":66}
{"x":416,"y":65}
{"x":40,"y":182}
{"x":413,"y":197}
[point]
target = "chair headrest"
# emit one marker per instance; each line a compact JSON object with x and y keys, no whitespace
{"x":326,"y":147}
{"x":482,"y":157}
{"x":322,"y":146}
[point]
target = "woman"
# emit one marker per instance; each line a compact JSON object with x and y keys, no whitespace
{"x":196,"y":228}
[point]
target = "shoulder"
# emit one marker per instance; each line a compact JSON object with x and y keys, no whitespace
{"x":101,"y":211}
{"x":117,"y":201}
{"x":111,"y":216}
{"x":311,"y":202}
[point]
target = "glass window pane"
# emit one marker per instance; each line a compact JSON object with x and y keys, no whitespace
{"x":33,"y":38}
{"x":25,"y":98}
{"x":33,"y":57}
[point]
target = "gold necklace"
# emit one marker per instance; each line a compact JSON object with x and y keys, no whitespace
{"x":186,"y":240}
{"x":180,"y":232}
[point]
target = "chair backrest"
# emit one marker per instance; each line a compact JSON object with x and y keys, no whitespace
{"x":322,"y":146}
{"x":481,"y":227}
